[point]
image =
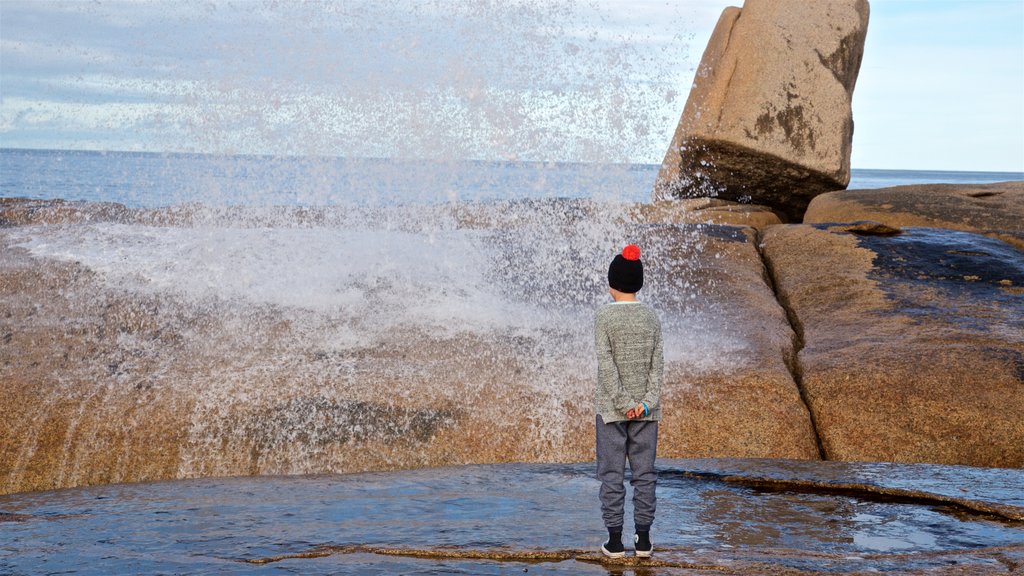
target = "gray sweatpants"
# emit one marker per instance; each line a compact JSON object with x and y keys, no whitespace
{"x":638,"y":441}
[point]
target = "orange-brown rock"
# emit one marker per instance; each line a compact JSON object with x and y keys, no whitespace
{"x":22,"y":211}
{"x":505,"y":215}
{"x":705,"y":211}
{"x":995,"y":210}
{"x":913,"y":343}
{"x":769,"y":116}
{"x":101,"y":381}
{"x":741,"y":400}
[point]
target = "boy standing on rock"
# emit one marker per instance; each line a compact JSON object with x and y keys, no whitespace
{"x":630,"y":365}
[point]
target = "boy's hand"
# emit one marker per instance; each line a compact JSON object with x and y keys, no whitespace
{"x":635,"y":412}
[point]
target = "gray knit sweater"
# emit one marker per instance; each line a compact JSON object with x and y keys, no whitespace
{"x":630,"y":361}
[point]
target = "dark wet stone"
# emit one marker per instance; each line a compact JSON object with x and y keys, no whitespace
{"x":996,"y":210}
{"x":8,"y":517}
{"x":728,"y":233}
{"x":866,"y":228}
{"x":995,"y":491}
{"x":960,"y":265}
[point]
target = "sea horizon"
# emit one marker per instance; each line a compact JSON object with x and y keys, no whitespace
{"x":156,"y":179}
{"x":186,"y":154}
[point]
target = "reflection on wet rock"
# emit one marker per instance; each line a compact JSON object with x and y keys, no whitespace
{"x":713,"y":517}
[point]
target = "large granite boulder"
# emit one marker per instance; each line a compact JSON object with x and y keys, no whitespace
{"x":995,"y":210}
{"x":768,"y":118}
{"x":913,"y":340}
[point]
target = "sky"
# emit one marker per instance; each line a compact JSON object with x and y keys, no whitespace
{"x":941,"y":85}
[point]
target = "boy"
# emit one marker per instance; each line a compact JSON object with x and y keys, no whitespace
{"x":630,"y":365}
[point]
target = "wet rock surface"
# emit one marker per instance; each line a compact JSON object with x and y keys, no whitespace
{"x":132,"y":353}
{"x":995,"y":210}
{"x":128,"y":355}
{"x":991,"y":492}
{"x":752,"y":408}
{"x":769,"y":116}
{"x":706,"y":211}
{"x":712,"y":518}
{"x":912,"y":343}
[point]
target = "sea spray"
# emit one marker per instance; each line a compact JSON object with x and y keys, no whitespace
{"x":301,"y":306}
{"x":301,"y":348}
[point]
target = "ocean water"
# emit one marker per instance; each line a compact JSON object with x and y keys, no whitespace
{"x":154,"y":180}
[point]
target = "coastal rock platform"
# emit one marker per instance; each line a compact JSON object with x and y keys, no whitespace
{"x":184,"y":342}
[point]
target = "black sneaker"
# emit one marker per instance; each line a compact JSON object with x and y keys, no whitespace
{"x":642,"y":544}
{"x":613,"y":547}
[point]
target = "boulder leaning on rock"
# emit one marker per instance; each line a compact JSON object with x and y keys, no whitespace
{"x":768,"y":118}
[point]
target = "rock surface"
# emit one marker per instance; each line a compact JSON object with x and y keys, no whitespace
{"x":913,"y":343}
{"x":705,"y":211}
{"x":769,"y":117}
{"x":995,"y":210}
{"x":492,"y":215}
{"x":106,"y":375}
{"x":742,"y":400}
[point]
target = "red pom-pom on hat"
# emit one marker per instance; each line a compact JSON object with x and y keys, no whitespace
{"x":626,"y":272}
{"x":631,"y":252}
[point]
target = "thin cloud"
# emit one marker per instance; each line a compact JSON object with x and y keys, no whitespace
{"x":527,"y":80}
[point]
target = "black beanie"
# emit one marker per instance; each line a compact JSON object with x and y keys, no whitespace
{"x":626,"y":272}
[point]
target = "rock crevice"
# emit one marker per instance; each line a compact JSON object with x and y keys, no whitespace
{"x":792,"y":360}
{"x":910,"y":340}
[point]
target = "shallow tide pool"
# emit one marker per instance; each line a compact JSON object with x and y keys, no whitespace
{"x":715,"y":516}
